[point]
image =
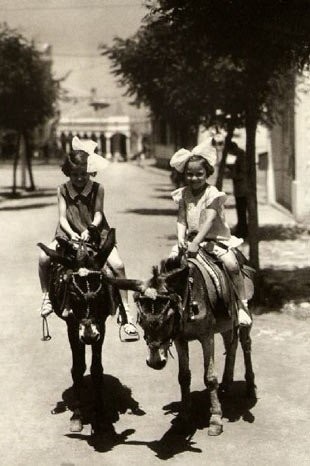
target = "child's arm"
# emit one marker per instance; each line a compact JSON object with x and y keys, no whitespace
{"x":98,"y":215}
{"x":62,"y":212}
{"x":203,"y":231}
{"x":181,"y":225}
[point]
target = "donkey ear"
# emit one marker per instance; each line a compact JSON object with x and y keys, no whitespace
{"x":176,"y":280}
{"x":55,"y":256}
{"x":106,"y":248}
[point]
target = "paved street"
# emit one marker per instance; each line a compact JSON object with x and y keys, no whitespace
{"x":36,"y":376}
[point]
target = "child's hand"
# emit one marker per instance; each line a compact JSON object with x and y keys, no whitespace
{"x":192,"y":249}
{"x":182,"y":244}
{"x":75,"y":236}
{"x":85,"y":235}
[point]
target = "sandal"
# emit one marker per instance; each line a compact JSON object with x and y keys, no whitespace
{"x":128,"y":332}
{"x":244,"y":318}
{"x":46,"y":306}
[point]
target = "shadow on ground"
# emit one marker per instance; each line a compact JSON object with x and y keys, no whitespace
{"x":179,"y":437}
{"x":155,"y":212}
{"x":277,"y":287}
{"x":38,"y":194}
{"x":37,"y":205}
{"x":282,"y":232}
{"x":26,"y":194}
{"x":117,"y":399}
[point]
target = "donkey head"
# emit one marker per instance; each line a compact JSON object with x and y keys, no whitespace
{"x":159,"y":311}
{"x":79,"y":290}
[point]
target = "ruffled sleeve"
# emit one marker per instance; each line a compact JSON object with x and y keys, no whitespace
{"x":177,"y":195}
{"x":215,"y":199}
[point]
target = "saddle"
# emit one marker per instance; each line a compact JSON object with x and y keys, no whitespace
{"x":218,"y":284}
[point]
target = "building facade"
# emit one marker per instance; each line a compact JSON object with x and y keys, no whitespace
{"x":290,"y":151}
{"x":118,"y":131}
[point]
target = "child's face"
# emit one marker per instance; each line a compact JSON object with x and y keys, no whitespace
{"x":195,"y":175}
{"x":79,"y":176}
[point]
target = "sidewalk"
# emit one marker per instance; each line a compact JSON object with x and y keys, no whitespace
{"x":268,"y":214}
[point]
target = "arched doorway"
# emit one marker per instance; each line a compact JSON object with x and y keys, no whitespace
{"x":118,"y":146}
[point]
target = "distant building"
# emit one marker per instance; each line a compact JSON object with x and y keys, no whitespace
{"x":118,"y":128}
{"x":290,"y":151}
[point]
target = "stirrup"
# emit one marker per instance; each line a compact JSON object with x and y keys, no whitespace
{"x":46,"y":306}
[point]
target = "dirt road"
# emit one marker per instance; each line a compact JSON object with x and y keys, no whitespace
{"x":35,"y":376}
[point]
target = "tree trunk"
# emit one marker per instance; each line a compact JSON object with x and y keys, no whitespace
{"x":222,"y":165}
{"x":15,"y":164}
{"x":251,"y":125}
{"x":28,"y":154}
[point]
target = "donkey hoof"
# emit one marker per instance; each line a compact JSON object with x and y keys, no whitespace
{"x":76,"y":425}
{"x":215,"y":430}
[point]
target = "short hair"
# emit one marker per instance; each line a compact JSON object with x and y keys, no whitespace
{"x":197,"y":158}
{"x":76,"y":158}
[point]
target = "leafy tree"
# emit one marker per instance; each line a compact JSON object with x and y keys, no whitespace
{"x":184,"y":90}
{"x":27,"y":91}
{"x":267,"y":41}
{"x":191,"y":58}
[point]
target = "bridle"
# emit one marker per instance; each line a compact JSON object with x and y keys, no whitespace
{"x":174,"y":302}
{"x":87,"y":295}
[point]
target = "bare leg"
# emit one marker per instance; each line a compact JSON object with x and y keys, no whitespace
{"x":44,"y":276}
{"x":127,"y":319}
{"x":211,"y":382}
{"x":233,"y":268}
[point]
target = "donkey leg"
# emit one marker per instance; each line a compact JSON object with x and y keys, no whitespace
{"x":211,"y":382}
{"x":96,"y":371}
{"x":230,"y":339}
{"x":77,"y":371}
{"x":246,"y":344}
{"x":184,"y":377}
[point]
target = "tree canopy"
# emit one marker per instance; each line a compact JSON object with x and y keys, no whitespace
{"x":190,"y":58}
{"x":27,"y":89}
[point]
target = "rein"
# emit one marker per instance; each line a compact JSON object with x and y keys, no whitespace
{"x":87,"y":294}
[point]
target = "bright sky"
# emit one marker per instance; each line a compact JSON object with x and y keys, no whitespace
{"x":75,"y":28}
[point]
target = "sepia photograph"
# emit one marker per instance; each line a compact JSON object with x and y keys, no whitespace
{"x":155,"y":231}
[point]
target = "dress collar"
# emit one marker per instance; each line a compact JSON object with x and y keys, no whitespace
{"x":73,"y":193}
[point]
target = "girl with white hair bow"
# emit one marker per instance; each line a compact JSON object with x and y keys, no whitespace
{"x":201,"y":216}
{"x":80,"y":207}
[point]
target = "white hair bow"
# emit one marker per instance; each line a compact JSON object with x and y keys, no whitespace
{"x":95,"y":162}
{"x":181,"y":157}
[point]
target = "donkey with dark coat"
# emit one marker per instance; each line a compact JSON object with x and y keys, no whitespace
{"x":82,"y":294}
{"x":178,"y":307}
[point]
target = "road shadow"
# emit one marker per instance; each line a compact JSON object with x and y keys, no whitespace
{"x":38,"y":205}
{"x":7,"y":194}
{"x":179,"y":437}
{"x":166,"y":197}
{"x":164,"y":188}
{"x":117,"y":399}
{"x":155,"y":212}
{"x":22,"y":195}
{"x":282,"y":232}
{"x":277,"y":287}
